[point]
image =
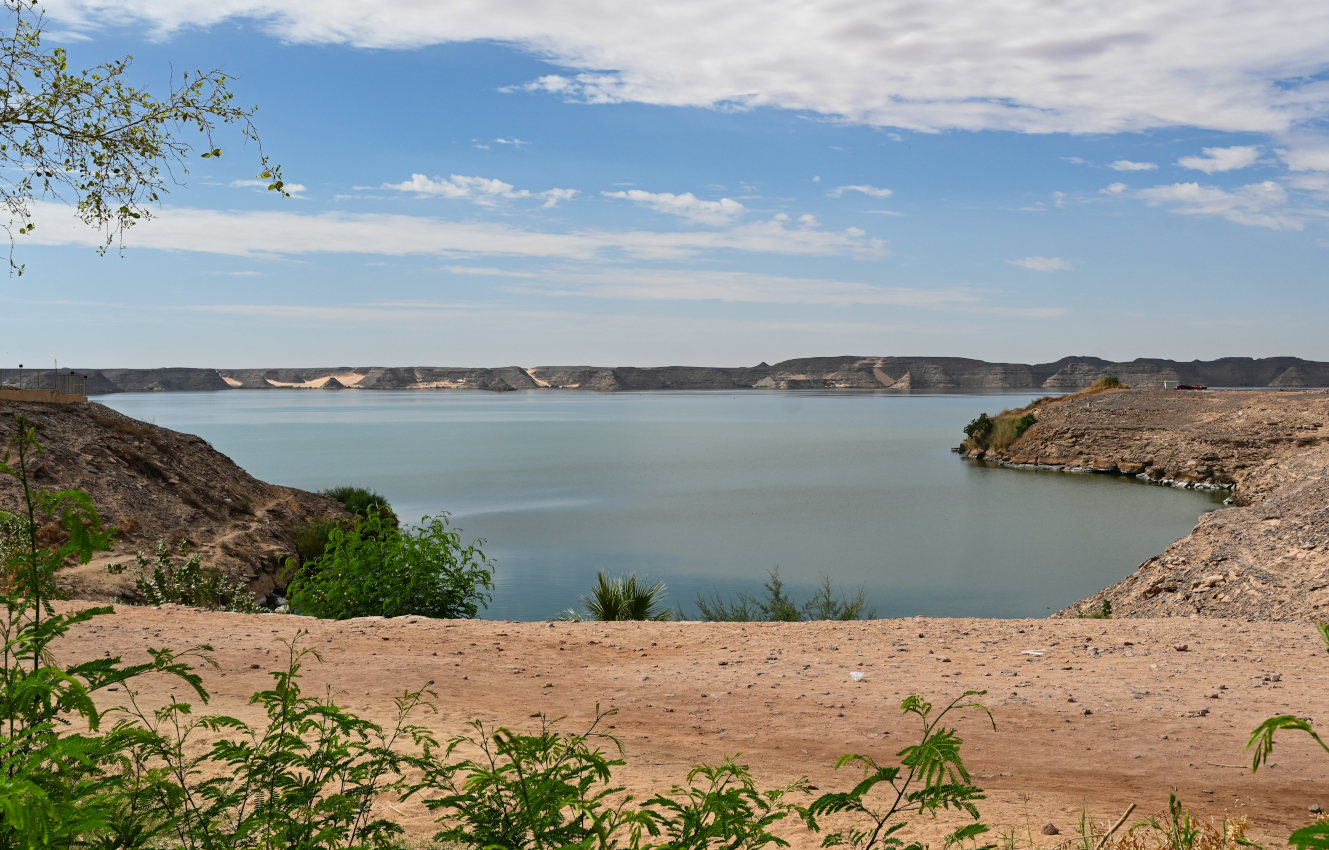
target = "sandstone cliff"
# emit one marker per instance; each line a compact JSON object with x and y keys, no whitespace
{"x":154,"y":484}
{"x":846,"y":372}
{"x":1266,"y":556}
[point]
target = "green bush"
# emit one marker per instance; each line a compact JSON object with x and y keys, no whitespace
{"x":167,"y":580}
{"x":622,"y":598}
{"x":979,"y":431}
{"x":359,"y":500}
{"x":374,"y":568}
{"x":551,"y":789}
{"x":311,"y":538}
{"x":825,"y":604}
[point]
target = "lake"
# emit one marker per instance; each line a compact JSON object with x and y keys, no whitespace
{"x":708,"y":491}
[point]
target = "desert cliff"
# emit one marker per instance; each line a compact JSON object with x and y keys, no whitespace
{"x":152,"y":483}
{"x":1264,"y":557}
{"x":824,"y":373}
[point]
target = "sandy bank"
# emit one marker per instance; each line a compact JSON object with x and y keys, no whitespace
{"x":1111,"y":712}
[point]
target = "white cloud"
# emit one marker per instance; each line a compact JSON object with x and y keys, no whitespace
{"x":290,"y":188}
{"x":291,"y":234}
{"x":1314,"y":157}
{"x":686,"y":205}
{"x":1128,"y":165}
{"x":1113,"y":189}
{"x":1222,"y":159}
{"x":1042,"y":264}
{"x":640,"y":284}
{"x":1225,"y":65}
{"x":1316,"y":183}
{"x":692,"y":285}
{"x":870,"y":191}
{"x":1262,"y":204}
{"x":514,"y":142}
{"x":482,"y":190}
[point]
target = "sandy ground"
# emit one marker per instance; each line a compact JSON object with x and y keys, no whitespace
{"x":1110,"y":713}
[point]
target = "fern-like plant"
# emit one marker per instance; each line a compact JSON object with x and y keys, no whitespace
{"x":931,"y":777}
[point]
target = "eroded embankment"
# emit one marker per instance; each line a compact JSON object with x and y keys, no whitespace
{"x":1264,"y":557}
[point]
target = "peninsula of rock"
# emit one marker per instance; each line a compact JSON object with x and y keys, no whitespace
{"x":1266,"y":555}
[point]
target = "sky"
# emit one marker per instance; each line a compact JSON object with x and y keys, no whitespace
{"x":708,"y":182}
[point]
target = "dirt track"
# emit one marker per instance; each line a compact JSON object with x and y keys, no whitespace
{"x":1110,"y":713}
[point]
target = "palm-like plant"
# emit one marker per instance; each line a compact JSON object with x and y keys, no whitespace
{"x":622,"y":598}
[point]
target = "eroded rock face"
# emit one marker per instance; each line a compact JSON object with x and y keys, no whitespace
{"x":842,"y":372}
{"x":1264,"y":557}
{"x":155,"y":484}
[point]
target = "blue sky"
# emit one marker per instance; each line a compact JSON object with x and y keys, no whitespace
{"x":518,"y":183}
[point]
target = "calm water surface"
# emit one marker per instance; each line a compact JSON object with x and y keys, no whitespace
{"x":707,"y":491}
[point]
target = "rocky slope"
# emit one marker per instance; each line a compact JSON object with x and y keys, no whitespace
{"x":155,"y":484}
{"x":1266,"y":556}
{"x":845,"y":372}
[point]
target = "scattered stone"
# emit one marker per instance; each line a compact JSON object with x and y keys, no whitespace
{"x":1181,"y":647}
{"x":1050,"y":828}
{"x":1315,"y":808}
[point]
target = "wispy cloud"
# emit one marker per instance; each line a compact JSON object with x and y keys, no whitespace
{"x":686,"y":205}
{"x":642,"y":284}
{"x":1306,"y":157}
{"x":870,"y":191}
{"x":1214,"y":160}
{"x":283,"y":233}
{"x":1042,"y":264}
{"x":1262,"y":204}
{"x":1130,"y":165}
{"x":1218,"y":64}
{"x":485,"y":191}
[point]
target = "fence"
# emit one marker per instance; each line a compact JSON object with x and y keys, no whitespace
{"x":42,"y":385}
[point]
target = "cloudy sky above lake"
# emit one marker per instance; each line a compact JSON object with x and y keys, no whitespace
{"x":507,"y":182}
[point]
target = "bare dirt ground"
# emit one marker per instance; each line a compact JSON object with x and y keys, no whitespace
{"x":1089,"y":713}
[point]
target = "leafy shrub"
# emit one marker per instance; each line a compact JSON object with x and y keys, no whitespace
{"x":374,"y":568}
{"x":167,"y":580}
{"x":1108,"y":382}
{"x":930,"y":778}
{"x":307,"y":780}
{"x":979,"y":431}
{"x":622,"y":598}
{"x":360,"y":500}
{"x":825,"y":604}
{"x":311,"y":538}
{"x":56,"y":787}
{"x":551,"y":789}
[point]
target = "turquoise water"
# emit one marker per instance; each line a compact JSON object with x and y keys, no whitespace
{"x":707,"y":491}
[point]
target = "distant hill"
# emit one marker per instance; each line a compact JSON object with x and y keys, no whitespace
{"x":846,"y":372}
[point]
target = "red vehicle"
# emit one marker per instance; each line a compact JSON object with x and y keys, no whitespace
{"x":1190,"y":387}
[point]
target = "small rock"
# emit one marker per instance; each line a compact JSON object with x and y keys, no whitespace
{"x":1086,"y":711}
{"x":1315,"y":808}
{"x":1181,"y":647}
{"x":1050,"y":828}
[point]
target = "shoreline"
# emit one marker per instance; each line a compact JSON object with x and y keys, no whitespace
{"x":1266,"y":555}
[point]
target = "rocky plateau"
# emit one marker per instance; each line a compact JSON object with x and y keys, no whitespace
{"x":1266,"y":555}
